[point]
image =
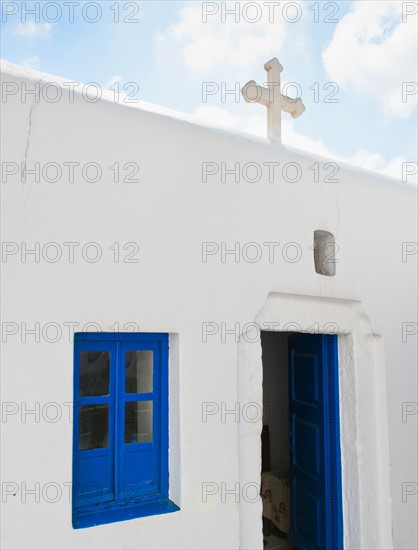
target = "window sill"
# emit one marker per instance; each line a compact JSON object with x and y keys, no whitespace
{"x":121,"y":512}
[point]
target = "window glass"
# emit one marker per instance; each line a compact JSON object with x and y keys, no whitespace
{"x":93,"y":427}
{"x":139,"y":371}
{"x":138,"y":421}
{"x":94,"y":373}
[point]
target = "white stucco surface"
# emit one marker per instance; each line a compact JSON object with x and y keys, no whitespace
{"x":170,"y":213}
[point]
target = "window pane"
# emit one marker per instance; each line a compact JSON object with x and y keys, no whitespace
{"x":94,"y":373}
{"x":139,"y":371}
{"x":138,"y":421}
{"x":94,"y":427}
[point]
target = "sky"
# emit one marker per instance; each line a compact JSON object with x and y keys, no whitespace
{"x":354,"y":63}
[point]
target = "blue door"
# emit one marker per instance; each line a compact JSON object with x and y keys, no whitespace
{"x":139,"y":439}
{"x":314,"y":440}
{"x":94,"y":421}
{"x":120,"y":466}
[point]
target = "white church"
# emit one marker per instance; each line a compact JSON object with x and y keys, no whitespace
{"x":209,"y":340}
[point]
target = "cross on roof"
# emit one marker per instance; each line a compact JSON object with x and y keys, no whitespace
{"x":275,"y":102}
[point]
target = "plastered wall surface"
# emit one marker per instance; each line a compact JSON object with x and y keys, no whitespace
{"x":170,"y":213}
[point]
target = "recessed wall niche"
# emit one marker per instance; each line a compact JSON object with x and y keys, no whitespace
{"x":324,"y":253}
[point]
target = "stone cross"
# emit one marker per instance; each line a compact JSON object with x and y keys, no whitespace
{"x":273,"y":99}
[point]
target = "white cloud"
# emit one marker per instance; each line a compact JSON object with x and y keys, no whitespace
{"x":31,"y":62}
{"x":32,"y":30}
{"x":362,"y":158}
{"x":214,"y":44}
{"x":372,"y":52}
{"x":117,"y":79}
{"x":394,"y":168}
{"x":376,"y":163}
{"x":256,"y":125}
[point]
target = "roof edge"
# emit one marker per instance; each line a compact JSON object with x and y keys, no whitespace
{"x":32,"y":75}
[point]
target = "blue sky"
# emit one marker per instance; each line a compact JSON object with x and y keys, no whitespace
{"x":363,"y":52}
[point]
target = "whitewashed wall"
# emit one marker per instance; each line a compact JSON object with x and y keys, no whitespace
{"x":170,"y":212}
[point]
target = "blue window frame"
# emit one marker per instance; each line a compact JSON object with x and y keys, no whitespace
{"x":120,"y":441}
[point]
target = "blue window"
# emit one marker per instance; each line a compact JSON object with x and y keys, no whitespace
{"x":120,"y":457}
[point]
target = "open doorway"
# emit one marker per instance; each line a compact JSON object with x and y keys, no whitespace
{"x":301,"y":465}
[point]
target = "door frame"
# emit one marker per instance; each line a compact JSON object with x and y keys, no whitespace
{"x":367,"y":516}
